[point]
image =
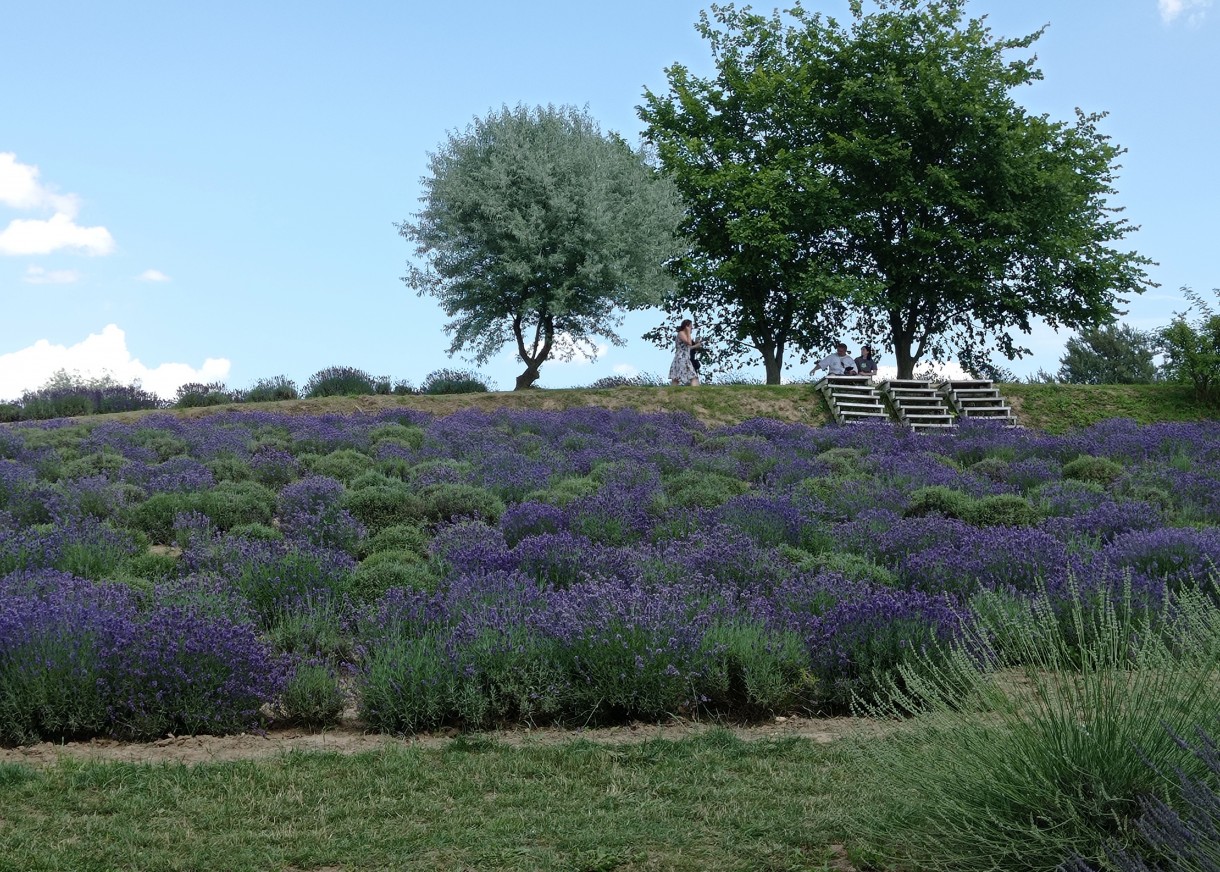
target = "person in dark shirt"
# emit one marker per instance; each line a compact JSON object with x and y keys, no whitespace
{"x":866,"y":364}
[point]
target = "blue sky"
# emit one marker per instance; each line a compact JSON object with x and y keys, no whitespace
{"x":208,"y":192}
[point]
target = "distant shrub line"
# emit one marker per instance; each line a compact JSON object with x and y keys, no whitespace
{"x":69,"y":395}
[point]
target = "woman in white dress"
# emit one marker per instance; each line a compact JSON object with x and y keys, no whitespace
{"x":682,"y":371}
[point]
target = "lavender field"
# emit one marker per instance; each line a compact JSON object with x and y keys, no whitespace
{"x":577,"y":567}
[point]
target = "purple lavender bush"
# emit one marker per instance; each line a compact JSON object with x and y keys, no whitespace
{"x":79,"y":659}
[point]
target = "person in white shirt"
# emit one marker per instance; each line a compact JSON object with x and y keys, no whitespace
{"x":839,"y":363}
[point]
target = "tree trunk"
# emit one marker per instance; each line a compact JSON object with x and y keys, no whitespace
{"x":527,"y":378}
{"x":904,"y":360}
{"x":904,"y":337}
{"x":773,"y":358}
{"x":774,"y":368}
{"x":544,"y":334}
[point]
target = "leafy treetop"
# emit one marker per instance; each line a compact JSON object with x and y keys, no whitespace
{"x":538,"y":228}
{"x":899,"y":171}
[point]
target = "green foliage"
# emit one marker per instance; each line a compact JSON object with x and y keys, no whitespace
{"x":1098,"y":470}
{"x":155,"y":516}
{"x":884,"y":164}
{"x":446,"y":502}
{"x":98,"y":557}
{"x":383,"y":570}
{"x":843,"y":460}
{"x":345,"y":464}
{"x":1115,"y":354}
{"x":255,"y":530}
{"x":339,"y":381}
{"x":407,"y":435}
{"x":195,"y":395}
{"x":939,"y":500}
{"x":1003,"y":510}
{"x":231,"y":504}
{"x":757,"y":672}
{"x":565,"y":491}
{"x":314,"y":633}
{"x":99,"y":463}
{"x":399,"y":537}
{"x":854,"y":567}
{"x":640,"y":380}
{"x":537,"y":226}
{"x":164,"y":443}
{"x":453,"y":381}
{"x":1027,"y":753}
{"x":1071,"y":497}
{"x":373,"y":478}
{"x":151,"y":565}
{"x":67,"y":394}
{"x":1192,"y":351}
{"x":229,"y":467}
{"x":994,"y":468}
{"x":313,"y":697}
{"x":383,"y":506}
{"x":60,"y":696}
{"x":267,"y":390}
{"x":696,"y":489}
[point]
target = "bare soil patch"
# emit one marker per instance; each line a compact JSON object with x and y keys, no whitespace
{"x":350,"y":737}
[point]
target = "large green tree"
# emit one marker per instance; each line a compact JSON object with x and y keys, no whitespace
{"x":538,"y":229}
{"x":759,"y":270}
{"x":947,"y":215}
{"x":1116,"y":354}
{"x":1192,"y":350}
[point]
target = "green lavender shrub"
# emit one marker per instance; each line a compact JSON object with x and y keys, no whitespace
{"x":453,"y":381}
{"x":339,"y":381}
{"x":345,"y":464}
{"x":1002,"y":510}
{"x":194,"y":395}
{"x":1028,"y":752}
{"x":267,"y":390}
{"x":312,"y":697}
{"x":938,"y":500}
{"x":383,"y":506}
{"x":1099,"y":470}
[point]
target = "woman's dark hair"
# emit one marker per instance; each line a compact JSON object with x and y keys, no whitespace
{"x":868,"y":348}
{"x":686,"y":322}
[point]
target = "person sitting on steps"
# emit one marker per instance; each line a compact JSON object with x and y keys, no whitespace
{"x":839,"y":363}
{"x":866,"y":363}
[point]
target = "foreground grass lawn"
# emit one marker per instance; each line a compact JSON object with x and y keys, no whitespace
{"x":711,"y":802}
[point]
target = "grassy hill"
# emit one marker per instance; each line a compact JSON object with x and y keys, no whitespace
{"x":1050,"y":407}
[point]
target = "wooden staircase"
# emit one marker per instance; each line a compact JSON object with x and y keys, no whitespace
{"x":918,"y":404}
{"x":977,"y":399}
{"x":853,"y":398}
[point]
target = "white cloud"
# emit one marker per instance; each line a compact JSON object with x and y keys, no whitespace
{"x":1193,"y":10}
{"x":33,"y":236}
{"x":97,"y":355}
{"x":625,"y":369}
{"x":152,"y":275}
{"x":20,"y":188}
{"x":36,"y":275}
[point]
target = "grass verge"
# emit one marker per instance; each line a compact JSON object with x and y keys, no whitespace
{"x":710,"y":802}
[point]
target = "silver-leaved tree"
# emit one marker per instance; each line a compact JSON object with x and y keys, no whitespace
{"x":539,"y":228}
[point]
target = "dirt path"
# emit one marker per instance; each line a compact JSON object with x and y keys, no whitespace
{"x":349,"y":737}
